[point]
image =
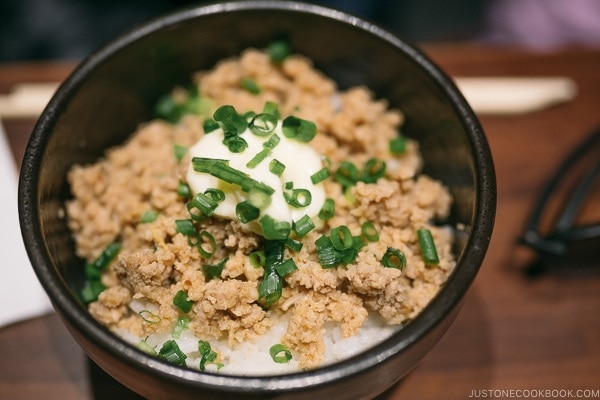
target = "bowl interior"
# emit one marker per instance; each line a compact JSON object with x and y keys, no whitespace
{"x":116,"y":88}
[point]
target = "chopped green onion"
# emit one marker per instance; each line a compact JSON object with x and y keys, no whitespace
{"x":427,"y":246}
{"x":257,"y":258}
{"x":170,"y":352}
{"x":319,"y":176}
{"x":216,"y":194}
{"x":146,"y":348}
{"x":347,"y":174}
{"x":209,"y":125}
{"x":149,"y":317}
{"x":327,"y":210}
{"x":373,"y":170}
{"x":303,"y":225}
{"x":235,"y":143}
{"x":326,"y":252}
{"x":93,"y":272}
{"x":272,"y":109}
{"x":250,"y":86}
{"x":259,"y":199}
{"x":179,"y":151}
{"x":201,"y":206}
{"x":394,"y":258}
{"x":280,"y":354}
{"x":298,"y":198}
{"x":294,"y":245}
{"x":91,"y":290}
{"x":270,"y":288}
{"x":181,"y":301}
{"x":229,"y":120}
{"x":186,"y":227}
{"x":276,"y":167}
{"x":183,"y":190}
{"x":369,"y":231}
{"x":286,"y":268}
{"x":398,"y":145}
{"x":341,"y":237}
{"x":278,"y":51}
{"x":107,"y":255}
{"x":246,"y":212}
{"x":272,"y":141}
{"x":149,"y":216}
{"x":181,"y":324}
{"x":274,"y":230}
{"x":258,"y":158}
{"x":330,"y":256}
{"x":289,"y":185}
{"x":214,"y":270}
{"x":207,"y":245}
{"x":221,"y":170}
{"x":263,"y":124}
{"x":207,"y":355}
{"x":299,"y":129}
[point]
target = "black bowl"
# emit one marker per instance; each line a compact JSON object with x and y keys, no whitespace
{"x":114,"y":89}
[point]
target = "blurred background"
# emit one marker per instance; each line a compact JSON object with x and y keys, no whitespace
{"x":71,"y":29}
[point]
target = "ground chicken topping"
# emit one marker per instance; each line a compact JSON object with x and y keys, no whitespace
{"x":160,"y":262}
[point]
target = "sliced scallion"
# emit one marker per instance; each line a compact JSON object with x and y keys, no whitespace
{"x":369,"y":231}
{"x":341,"y":237}
{"x":181,"y":301}
{"x":298,"y":198}
{"x":207,"y":245}
{"x":149,"y":216}
{"x":394,"y":258}
{"x":276,"y":167}
{"x":216,"y":194}
{"x":149,"y":317}
{"x":201,"y":206}
{"x":184,"y":190}
{"x":286,"y":268}
{"x":180,"y":325}
{"x":398,"y":145}
{"x":257,"y":258}
{"x":293,"y":244}
{"x":303,"y":225}
{"x":280,"y":354}
{"x":207,"y":355}
{"x":209,"y":125}
{"x":258,"y":158}
{"x":250,"y":86}
{"x":299,"y":129}
{"x":262,"y":124}
{"x":212,"y":271}
{"x":246,"y":212}
{"x":320,"y":175}
{"x":229,"y":119}
{"x":279,"y":50}
{"x":373,"y":170}
{"x":146,"y":348}
{"x":271,"y":108}
{"x":427,"y":246}
{"x":179,"y":151}
{"x":327,"y":210}
{"x":273,"y":229}
{"x":171,"y":352}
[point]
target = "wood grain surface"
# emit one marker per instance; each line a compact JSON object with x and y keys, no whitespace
{"x":513,"y":333}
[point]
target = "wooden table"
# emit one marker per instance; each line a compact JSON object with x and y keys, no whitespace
{"x":513,"y":333}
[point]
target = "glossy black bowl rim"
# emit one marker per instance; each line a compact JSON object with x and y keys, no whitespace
{"x":448,"y":298}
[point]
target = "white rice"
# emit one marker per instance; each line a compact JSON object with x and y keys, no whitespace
{"x":236,"y":361}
